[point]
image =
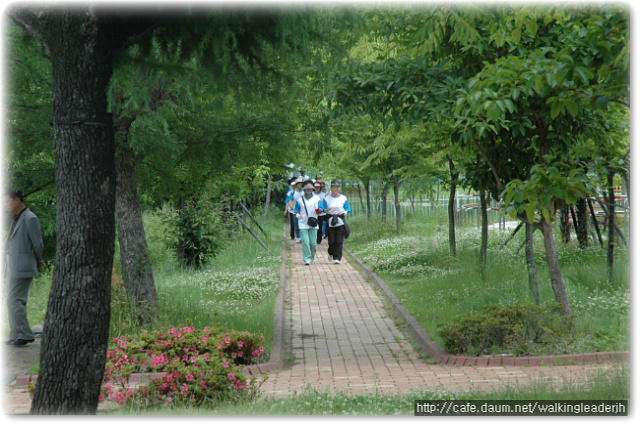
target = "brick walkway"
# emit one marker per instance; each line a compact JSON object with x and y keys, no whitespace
{"x":344,"y":341}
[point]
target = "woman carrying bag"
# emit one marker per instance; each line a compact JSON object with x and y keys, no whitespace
{"x":307,"y":209}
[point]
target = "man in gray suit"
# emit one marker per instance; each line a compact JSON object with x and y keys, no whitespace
{"x":23,"y":259}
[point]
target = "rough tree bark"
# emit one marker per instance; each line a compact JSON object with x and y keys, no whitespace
{"x":137,"y":273}
{"x":76,"y":326}
{"x":79,"y":40}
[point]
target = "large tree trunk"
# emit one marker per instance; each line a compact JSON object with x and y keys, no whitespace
{"x":452,"y":206}
{"x":137,"y":273}
{"x":76,"y":327}
{"x":557,"y":283}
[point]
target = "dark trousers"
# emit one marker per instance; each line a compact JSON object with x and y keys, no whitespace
{"x":322,"y":221}
{"x":18,"y":292}
{"x":292,"y":225}
{"x":335,"y":235}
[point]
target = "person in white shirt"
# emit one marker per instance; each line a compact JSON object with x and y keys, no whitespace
{"x":308,"y":207}
{"x":337,"y":207}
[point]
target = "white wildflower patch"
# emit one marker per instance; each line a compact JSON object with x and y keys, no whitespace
{"x":612,"y":301}
{"x":248,"y":285}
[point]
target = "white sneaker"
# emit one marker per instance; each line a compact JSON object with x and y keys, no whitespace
{"x":298,"y":240}
{"x":336,"y":261}
{"x":330,"y":258}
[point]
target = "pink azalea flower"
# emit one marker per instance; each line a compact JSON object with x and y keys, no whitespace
{"x":189,"y":377}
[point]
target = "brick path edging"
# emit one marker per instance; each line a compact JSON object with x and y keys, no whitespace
{"x":425,"y":344}
{"x":277,"y":357}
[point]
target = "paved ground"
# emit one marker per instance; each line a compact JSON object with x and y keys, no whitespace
{"x":342,"y":340}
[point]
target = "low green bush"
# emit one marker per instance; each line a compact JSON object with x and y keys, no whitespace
{"x":513,"y":328}
{"x":194,"y":368}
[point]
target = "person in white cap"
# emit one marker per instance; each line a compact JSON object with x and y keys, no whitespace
{"x":307,"y":209}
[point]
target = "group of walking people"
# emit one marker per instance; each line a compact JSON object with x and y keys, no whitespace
{"x":315,"y":215}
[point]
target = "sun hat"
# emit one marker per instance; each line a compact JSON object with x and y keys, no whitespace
{"x":317,"y":184}
{"x":308,"y":186}
{"x":335,"y":183}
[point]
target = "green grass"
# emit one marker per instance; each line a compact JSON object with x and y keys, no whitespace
{"x":437,"y":288}
{"x":236,"y":289}
{"x":612,"y":384}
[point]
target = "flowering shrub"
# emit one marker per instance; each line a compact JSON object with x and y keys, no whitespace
{"x":194,"y":367}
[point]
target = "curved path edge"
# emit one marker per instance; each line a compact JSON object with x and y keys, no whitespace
{"x":429,"y":347}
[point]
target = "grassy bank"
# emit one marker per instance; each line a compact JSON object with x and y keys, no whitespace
{"x":236,"y":289}
{"x":437,"y":288}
